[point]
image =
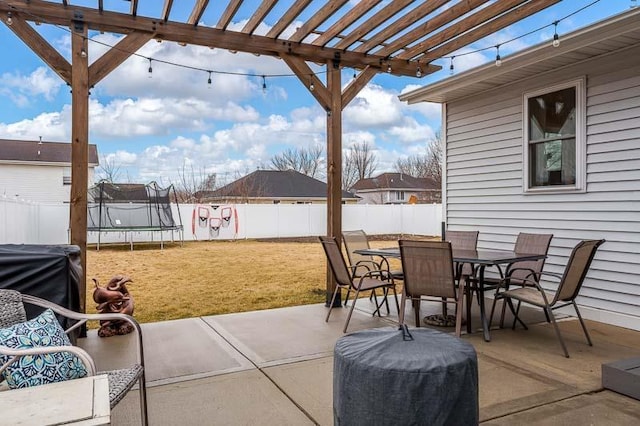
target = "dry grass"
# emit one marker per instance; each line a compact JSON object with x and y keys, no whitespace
{"x":208,"y":278}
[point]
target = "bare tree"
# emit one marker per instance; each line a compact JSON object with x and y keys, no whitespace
{"x":191,"y":183}
{"x":427,"y":165}
{"x":359,"y":162}
{"x":109,"y":169}
{"x":308,"y":161}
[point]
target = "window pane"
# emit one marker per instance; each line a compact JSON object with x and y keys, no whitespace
{"x":553,"y":163}
{"x":552,"y":114}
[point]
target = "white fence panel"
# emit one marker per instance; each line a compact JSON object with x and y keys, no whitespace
{"x":30,"y":223}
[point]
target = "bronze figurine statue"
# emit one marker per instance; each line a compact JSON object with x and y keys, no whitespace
{"x":114,"y":298}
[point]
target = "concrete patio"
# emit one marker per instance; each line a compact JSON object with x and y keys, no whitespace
{"x":274,"y":367}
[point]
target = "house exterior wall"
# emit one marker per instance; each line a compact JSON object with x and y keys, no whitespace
{"x":391,"y":196}
{"x":39,"y":183}
{"x":484,"y":180}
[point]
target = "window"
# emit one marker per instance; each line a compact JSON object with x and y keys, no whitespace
{"x":554,"y":141}
{"x":66,"y":176}
{"x":399,"y":195}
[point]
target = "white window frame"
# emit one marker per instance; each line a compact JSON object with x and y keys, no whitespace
{"x":581,"y":143}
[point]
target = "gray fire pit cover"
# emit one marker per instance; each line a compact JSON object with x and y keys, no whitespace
{"x":379,"y":378}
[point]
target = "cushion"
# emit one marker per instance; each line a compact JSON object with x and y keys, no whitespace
{"x":41,"y":331}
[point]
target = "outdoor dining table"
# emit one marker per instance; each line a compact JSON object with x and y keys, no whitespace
{"x":479,"y":259}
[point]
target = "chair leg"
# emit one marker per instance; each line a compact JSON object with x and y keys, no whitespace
{"x":416,"y":310}
{"x":557,"y":329}
{"x":515,"y":313}
{"x":333,"y":299}
{"x":353,"y":305}
{"x":346,"y":297}
{"x":493,"y":308}
{"x":468,"y":297}
{"x":403,"y":301}
{"x":143,"y":399}
{"x":584,"y":327}
{"x":395,"y":296}
{"x":459,"y":303}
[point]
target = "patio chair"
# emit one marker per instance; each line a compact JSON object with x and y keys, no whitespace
{"x":429,"y":272}
{"x":12,"y":312}
{"x":518,"y":272}
{"x":462,"y":240}
{"x":358,"y":240}
{"x":369,"y":281}
{"x":571,"y":280}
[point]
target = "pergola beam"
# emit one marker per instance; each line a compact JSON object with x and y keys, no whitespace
{"x":166,"y":10}
{"x":401,"y":24}
{"x":116,"y":56}
{"x":228,"y":14}
{"x":461,"y":27}
{"x":41,"y":47}
{"x":306,"y":75}
{"x":318,"y":18}
{"x":198,"y":10}
{"x":349,"y":18}
{"x":206,"y":36}
{"x":366,"y":27}
{"x":255,"y":20}
{"x":495,"y":25}
{"x":291,"y":14}
{"x":134,"y":7}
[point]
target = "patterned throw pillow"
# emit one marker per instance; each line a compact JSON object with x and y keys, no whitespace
{"x":41,"y":331}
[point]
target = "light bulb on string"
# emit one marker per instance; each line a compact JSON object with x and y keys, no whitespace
{"x":264,"y":84}
{"x":83,"y":53}
{"x":556,"y":38}
{"x":389,"y":68}
{"x":451,"y":66}
{"x":150,"y":69}
{"x":312,"y":87}
{"x":209,"y":80}
{"x":9,"y":19}
{"x":498,"y":58}
{"x":419,"y":72}
{"x":354,"y":74}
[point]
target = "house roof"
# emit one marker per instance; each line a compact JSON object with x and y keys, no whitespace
{"x":275,"y":184}
{"x":609,"y":35}
{"x":395,"y":181}
{"x":41,"y":152}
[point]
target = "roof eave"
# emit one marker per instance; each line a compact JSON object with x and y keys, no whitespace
{"x":602,"y":30}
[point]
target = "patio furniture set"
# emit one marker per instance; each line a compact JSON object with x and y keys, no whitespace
{"x":453,"y":270}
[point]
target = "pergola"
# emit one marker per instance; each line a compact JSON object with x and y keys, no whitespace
{"x":402,"y":37}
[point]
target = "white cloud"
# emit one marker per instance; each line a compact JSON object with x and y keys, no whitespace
{"x":410,"y":131}
{"x":22,"y":88}
{"x":373,"y":107}
{"x":52,"y":126}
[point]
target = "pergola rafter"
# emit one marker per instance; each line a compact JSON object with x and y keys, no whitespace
{"x":403,"y":37}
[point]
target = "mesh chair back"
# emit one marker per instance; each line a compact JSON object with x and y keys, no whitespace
{"x":428,"y":268}
{"x":11,"y":308}
{"x":463,"y":240}
{"x":356,"y":240}
{"x":336,"y":260}
{"x":576,"y":269}
{"x":532,"y":244}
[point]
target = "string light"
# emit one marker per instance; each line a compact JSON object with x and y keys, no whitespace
{"x":150,"y":69}
{"x":555,"y":43}
{"x":354,"y":74}
{"x":83,"y":53}
{"x":9,"y":19}
{"x":209,"y":80}
{"x":556,"y":38}
{"x":419,"y":72}
{"x":389,"y":68}
{"x":264,"y":84}
{"x":312,"y":87}
{"x":498,"y":59}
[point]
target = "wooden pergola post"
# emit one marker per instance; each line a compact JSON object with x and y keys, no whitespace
{"x":334,"y":164}
{"x":79,"y":147}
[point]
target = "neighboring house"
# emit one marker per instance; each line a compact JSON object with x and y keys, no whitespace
{"x":274,"y":187}
{"x":39,"y":171}
{"x":549,"y":142}
{"x":397,"y":188}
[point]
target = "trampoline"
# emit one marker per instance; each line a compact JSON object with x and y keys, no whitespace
{"x":132,"y":208}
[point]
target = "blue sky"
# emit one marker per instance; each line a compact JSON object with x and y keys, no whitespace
{"x":153,"y":127}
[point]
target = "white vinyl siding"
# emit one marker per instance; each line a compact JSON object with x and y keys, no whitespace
{"x":484,"y":180}
{"x":36,"y":183}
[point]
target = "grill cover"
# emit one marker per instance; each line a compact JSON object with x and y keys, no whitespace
{"x":381,"y":379}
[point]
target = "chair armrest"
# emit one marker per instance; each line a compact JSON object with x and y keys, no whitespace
{"x":383,"y":275}
{"x":16,"y":354}
{"x":83,"y":318}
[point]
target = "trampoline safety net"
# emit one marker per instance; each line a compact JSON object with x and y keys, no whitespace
{"x":130,"y":207}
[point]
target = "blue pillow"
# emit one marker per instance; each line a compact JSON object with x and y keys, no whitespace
{"x":41,"y":331}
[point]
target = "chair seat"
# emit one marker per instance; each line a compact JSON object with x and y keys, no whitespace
{"x":530,"y":295}
{"x":370,"y":284}
{"x":121,"y":381}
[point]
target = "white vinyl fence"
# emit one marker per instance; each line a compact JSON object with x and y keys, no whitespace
{"x":30,"y":223}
